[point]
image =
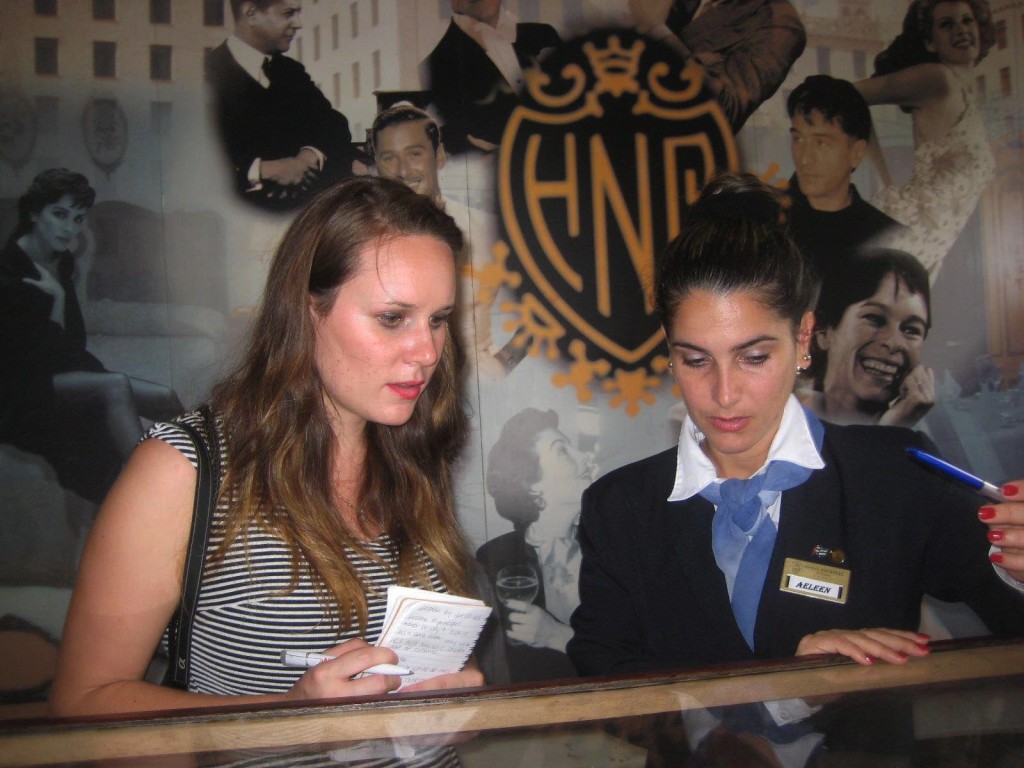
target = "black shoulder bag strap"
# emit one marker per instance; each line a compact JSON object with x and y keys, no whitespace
{"x":179,"y":636}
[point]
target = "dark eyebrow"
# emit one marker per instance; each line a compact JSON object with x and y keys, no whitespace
{"x":876,"y":304}
{"x":738,"y":348}
{"x":914,"y":319}
{"x":886,"y":310}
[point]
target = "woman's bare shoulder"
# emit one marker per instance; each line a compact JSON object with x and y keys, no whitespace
{"x":156,"y":486}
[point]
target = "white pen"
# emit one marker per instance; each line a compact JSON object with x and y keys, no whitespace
{"x":310,"y":659}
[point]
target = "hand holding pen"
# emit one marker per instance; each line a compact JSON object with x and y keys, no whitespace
{"x":1006,"y":529}
{"x":341,"y":675}
{"x":1005,"y":519}
{"x":310,"y":659}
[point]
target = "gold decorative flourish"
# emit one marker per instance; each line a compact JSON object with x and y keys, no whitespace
{"x":691,"y":77}
{"x":631,"y":388}
{"x":581,"y":372}
{"x":540,"y":327}
{"x":616,"y":67}
{"x":490,"y":277}
{"x":537,"y":83}
{"x":768,"y":176}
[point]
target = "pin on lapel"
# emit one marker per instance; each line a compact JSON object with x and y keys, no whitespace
{"x":822,"y":552}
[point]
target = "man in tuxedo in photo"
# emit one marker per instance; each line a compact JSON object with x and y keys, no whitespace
{"x":475,"y":71}
{"x":283,"y":138}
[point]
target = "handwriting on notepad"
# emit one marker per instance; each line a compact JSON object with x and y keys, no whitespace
{"x":432,"y":633}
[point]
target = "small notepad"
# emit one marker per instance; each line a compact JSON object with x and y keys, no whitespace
{"x":432,"y":633}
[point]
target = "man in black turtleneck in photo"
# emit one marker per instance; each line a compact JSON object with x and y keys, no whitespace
{"x":829,"y":133}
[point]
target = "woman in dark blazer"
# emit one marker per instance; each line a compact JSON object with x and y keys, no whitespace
{"x":767,"y":533}
{"x":732,"y":294}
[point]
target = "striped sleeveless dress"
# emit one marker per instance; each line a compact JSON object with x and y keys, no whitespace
{"x":246,"y":616}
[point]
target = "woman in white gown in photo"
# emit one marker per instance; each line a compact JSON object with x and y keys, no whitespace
{"x":928,"y":71}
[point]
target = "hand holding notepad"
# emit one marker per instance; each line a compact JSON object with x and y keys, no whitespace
{"x":432,"y":633}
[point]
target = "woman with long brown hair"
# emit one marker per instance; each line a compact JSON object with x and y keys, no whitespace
{"x":337,"y":431}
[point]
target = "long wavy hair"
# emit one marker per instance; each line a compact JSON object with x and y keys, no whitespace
{"x":908,"y":47}
{"x":280,"y":446}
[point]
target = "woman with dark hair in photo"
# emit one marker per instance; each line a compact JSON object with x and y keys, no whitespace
{"x":58,"y":400}
{"x":338,"y":431}
{"x":871,"y":320}
{"x":928,"y":71}
{"x":697,"y":556}
{"x":536,"y":477}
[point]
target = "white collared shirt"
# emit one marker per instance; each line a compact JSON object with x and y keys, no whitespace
{"x":497,"y":44}
{"x":249,"y":59}
{"x":793,"y":443}
{"x":694,"y":471}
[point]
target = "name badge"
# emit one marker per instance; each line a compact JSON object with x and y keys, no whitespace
{"x":817,"y":580}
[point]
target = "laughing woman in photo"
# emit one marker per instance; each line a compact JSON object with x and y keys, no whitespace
{"x":871,"y":321}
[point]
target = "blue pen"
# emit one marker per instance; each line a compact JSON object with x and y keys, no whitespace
{"x":985,"y":489}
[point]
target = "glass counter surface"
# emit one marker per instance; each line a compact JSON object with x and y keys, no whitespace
{"x":963,"y":705}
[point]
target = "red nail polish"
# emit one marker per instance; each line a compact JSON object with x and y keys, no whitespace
{"x":994,"y":536}
{"x":924,"y":647}
{"x":1010,"y":489}
{"x":996,"y":557}
{"x":987,"y":513}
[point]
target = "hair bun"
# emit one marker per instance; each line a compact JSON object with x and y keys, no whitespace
{"x":738,"y":196}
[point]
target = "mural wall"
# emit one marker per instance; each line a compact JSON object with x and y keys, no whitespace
{"x":569,"y":176}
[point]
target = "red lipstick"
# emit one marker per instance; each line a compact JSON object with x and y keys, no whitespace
{"x":407,"y":390}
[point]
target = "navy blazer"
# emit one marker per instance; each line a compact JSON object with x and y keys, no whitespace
{"x":275,"y":122}
{"x":469,"y":91}
{"x":653,"y":598}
